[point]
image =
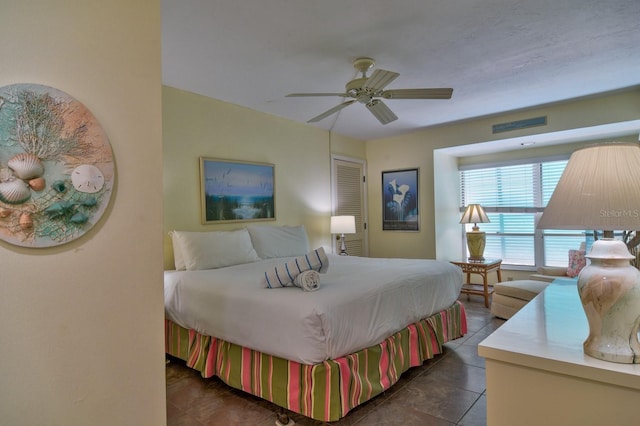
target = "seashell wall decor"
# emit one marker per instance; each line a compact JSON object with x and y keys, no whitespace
{"x":26,"y":221}
{"x":26,"y":165}
{"x":38,"y":184}
{"x":56,"y":178}
{"x":14,"y":191}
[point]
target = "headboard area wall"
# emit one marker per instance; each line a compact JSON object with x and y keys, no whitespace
{"x":196,"y":126}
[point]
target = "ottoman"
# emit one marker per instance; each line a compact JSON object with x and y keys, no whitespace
{"x":510,"y":296}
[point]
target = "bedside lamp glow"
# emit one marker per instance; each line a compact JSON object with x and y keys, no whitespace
{"x":343,"y":225}
{"x":476,"y":239}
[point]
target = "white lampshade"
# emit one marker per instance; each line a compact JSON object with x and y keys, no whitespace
{"x":599,"y":189}
{"x":343,"y":224}
{"x":474,"y":213}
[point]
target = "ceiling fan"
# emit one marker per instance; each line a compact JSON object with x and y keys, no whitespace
{"x":367,"y":90}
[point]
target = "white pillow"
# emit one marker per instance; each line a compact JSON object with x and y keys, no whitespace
{"x":279,"y":241}
{"x":178,"y":259}
{"x":211,"y":250}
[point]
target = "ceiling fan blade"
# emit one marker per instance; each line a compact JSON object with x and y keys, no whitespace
{"x":381,"y":111}
{"x":299,"y":95}
{"x":380,"y":79}
{"x":331,"y":111}
{"x":441,"y":93}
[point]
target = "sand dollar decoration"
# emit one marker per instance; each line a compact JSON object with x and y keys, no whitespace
{"x":87,"y":178}
{"x":56,"y":167}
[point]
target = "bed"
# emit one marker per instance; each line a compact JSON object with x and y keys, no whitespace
{"x":318,"y":353}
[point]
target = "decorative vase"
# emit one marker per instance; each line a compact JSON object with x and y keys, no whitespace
{"x":609,"y":289}
{"x":476,"y":241}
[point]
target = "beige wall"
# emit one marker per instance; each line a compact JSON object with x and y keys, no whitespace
{"x":347,"y":147}
{"x":417,"y":150}
{"x":195,"y":126}
{"x":82,"y":323}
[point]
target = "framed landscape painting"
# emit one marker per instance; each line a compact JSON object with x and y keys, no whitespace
{"x":236,"y":191}
{"x":400,"y":200}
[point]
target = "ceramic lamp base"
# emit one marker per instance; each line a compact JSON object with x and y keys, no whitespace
{"x":343,"y":248}
{"x":609,"y":289}
{"x":476,"y":240}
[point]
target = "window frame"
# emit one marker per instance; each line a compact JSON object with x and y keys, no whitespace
{"x":537,"y":209}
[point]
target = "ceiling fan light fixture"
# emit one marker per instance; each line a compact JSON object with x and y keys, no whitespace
{"x":363,"y":64}
{"x":331,"y":111}
{"x":355,"y":86}
{"x":380,"y":79}
{"x":442,"y":93}
{"x":365,"y":90}
{"x":363,"y":98}
{"x":381,"y":111}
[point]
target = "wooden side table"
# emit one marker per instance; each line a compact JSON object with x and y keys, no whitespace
{"x":482,"y":268}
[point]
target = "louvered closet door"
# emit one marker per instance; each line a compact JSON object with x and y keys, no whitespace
{"x":349,"y":199}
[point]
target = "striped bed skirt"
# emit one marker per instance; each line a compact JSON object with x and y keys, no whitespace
{"x":326,"y":391}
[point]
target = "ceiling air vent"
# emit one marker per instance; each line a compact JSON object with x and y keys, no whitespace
{"x":519,"y":124}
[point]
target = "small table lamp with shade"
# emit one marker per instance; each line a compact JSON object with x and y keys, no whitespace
{"x":600,"y":189}
{"x":343,"y":225}
{"x":476,"y":239}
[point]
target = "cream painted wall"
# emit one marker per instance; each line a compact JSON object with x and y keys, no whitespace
{"x":195,"y":126}
{"x":417,"y":150}
{"x":445,"y":197}
{"x":82,"y":323}
{"x":347,"y":147}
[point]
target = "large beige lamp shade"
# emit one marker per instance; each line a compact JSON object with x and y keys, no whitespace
{"x":476,"y":239}
{"x":600,"y":190}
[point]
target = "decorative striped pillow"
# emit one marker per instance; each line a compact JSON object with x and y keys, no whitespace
{"x":284,"y":275}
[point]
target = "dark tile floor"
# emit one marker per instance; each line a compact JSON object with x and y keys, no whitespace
{"x":447,"y":390}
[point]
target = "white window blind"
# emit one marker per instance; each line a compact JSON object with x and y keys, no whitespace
{"x":514,"y":197}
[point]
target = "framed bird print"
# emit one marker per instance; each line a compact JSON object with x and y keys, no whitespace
{"x":400,"y":211}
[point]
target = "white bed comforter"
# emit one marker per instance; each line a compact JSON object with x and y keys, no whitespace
{"x":360,"y":302}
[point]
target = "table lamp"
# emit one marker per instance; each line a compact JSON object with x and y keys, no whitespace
{"x":476,"y":239}
{"x":600,"y":189}
{"x":343,"y":225}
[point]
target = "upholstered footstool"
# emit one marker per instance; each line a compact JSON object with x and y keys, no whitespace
{"x":510,"y":296}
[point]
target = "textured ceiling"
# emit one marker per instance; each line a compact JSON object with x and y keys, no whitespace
{"x":497,"y":55}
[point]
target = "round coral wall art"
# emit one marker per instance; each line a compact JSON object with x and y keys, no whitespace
{"x":56,"y":167}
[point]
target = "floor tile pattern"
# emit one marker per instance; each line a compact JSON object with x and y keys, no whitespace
{"x":447,"y":390}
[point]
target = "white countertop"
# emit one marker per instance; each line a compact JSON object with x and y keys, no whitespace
{"x":548,"y":334}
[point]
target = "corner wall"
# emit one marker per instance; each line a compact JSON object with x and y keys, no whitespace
{"x":81,"y":324}
{"x":417,"y":150}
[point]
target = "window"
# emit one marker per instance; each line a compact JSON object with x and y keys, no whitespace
{"x":514,"y":197}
